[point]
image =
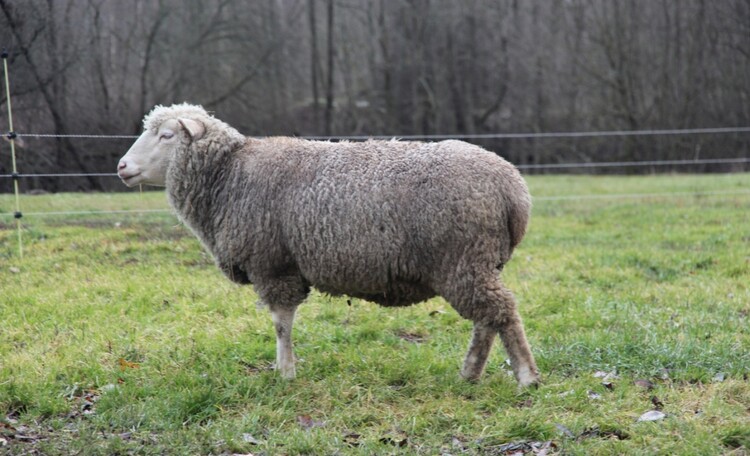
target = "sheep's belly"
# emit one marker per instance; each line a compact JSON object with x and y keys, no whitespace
{"x":397,"y":295}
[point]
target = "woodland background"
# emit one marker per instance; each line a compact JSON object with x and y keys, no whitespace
{"x":379,"y":67}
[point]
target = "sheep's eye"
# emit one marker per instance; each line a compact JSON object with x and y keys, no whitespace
{"x":166,"y":135}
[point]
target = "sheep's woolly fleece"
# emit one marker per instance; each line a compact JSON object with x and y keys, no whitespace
{"x":160,"y":114}
{"x":392,"y":222}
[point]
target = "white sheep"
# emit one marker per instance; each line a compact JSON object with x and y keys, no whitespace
{"x":392,"y":222}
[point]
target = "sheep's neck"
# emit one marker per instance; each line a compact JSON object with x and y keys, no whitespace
{"x":197,"y":190}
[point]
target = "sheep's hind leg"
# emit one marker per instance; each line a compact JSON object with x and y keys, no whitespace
{"x":485,"y":301}
{"x":513,"y":336}
{"x":479,"y":350}
{"x":283,"y":319}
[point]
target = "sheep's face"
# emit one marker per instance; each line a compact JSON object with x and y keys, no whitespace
{"x":147,"y":160}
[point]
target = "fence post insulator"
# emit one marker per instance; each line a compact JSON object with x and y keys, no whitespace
{"x":15,"y":176}
{"x":12,"y":135}
{"x":4,"y":54}
{"x":17,"y":214}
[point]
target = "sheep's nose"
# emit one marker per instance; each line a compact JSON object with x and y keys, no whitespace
{"x":122,"y":165}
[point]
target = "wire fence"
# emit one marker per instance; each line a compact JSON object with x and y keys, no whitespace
{"x":536,"y":199}
{"x":523,"y":135}
{"x":543,"y":166}
{"x":16,"y":176}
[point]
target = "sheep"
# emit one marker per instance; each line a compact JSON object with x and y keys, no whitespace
{"x":392,"y":222}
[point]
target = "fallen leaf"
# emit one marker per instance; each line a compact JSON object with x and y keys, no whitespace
{"x":15,"y":270}
{"x":525,"y":404}
{"x":720,"y":377}
{"x":645,"y":384}
{"x":411,"y":337}
{"x":398,"y":439}
{"x":25,"y":438}
{"x":596,"y":432}
{"x":352,"y":439}
{"x":657,"y":402}
{"x":6,"y":428}
{"x":653,"y":415}
{"x":437,"y":312}
{"x":125,"y":364}
{"x":307,"y":423}
{"x":257,"y":368}
{"x":609,"y":385}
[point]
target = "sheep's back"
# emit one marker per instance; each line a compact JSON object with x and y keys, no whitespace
{"x":357,"y":217}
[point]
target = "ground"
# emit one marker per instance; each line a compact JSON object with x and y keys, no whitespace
{"x":119,"y":336}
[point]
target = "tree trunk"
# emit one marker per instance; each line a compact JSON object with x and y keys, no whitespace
{"x":314,"y":65}
{"x":329,"y":85}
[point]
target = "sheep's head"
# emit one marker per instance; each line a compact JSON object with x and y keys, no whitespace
{"x":166,"y":129}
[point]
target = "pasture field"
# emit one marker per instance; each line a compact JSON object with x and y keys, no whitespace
{"x":118,"y":336}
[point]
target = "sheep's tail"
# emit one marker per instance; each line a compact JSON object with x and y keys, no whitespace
{"x":518,"y":218}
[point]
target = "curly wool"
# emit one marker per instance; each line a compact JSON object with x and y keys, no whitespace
{"x":384,"y":220}
{"x":393,"y":222}
{"x":153,"y":120}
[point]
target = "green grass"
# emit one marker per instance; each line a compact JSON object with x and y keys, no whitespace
{"x":119,"y":336}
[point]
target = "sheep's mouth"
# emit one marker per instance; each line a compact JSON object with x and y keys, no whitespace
{"x":130,"y":180}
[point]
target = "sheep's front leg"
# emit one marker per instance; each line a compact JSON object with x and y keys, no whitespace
{"x":283,"y":319}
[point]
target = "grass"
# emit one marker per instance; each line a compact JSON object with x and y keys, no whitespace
{"x":119,"y":336}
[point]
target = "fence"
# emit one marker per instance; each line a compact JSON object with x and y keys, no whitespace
{"x":16,"y":176}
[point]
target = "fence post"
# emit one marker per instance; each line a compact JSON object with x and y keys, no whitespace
{"x":12,"y":137}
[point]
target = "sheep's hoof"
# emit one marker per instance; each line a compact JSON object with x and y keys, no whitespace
{"x":529,"y":379}
{"x":470,"y":375}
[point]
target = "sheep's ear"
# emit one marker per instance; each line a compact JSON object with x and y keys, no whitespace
{"x":194,"y":128}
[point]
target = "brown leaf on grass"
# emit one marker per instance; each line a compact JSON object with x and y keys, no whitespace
{"x":609,"y":385}
{"x":18,"y":433}
{"x":7,"y":430}
{"x":352,"y":439}
{"x":125,"y":364}
{"x":525,"y":403}
{"x":645,"y":384}
{"x":657,"y":402}
{"x":253,"y":369}
{"x":596,"y":432}
{"x":396,"y":438}
{"x":411,"y":337}
{"x":306,"y":422}
{"x":85,"y":402}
